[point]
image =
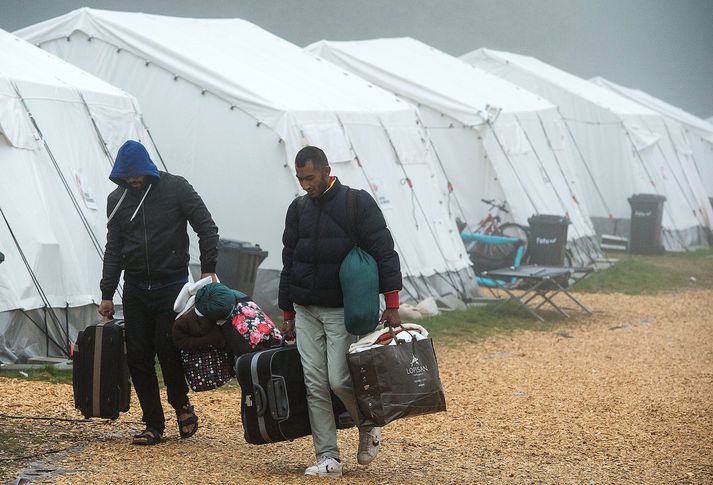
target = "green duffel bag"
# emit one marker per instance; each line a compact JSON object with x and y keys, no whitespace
{"x":359,"y":279}
{"x":216,"y":301}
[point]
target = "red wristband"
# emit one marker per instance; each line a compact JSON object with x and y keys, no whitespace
{"x":392,"y":299}
{"x":288,"y":315}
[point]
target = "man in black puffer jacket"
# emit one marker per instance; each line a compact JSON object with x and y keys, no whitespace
{"x":147,"y":238}
{"x":316,"y":240}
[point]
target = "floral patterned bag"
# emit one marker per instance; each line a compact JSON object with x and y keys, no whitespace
{"x":206,"y":369}
{"x":248,"y":329}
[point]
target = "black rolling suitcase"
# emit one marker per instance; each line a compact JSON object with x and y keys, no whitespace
{"x":274,"y":397}
{"x":100,"y":375}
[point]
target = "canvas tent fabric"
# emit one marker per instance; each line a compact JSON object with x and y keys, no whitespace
{"x":59,"y":130}
{"x":692,"y":136}
{"x":623,"y":149}
{"x":494,"y":139}
{"x":231,"y":104}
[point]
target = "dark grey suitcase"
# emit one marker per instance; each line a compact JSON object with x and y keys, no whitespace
{"x":274,"y":397}
{"x":100,"y":375}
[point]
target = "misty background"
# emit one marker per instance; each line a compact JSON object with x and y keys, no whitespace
{"x":664,"y":47}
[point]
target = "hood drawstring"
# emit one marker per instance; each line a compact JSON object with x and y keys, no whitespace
{"x":142,"y":201}
{"x":116,"y":207}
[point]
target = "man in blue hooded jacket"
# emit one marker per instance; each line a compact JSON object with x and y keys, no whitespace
{"x":147,"y":238}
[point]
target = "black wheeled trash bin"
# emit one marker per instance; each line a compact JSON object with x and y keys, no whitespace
{"x":548,"y":240}
{"x":646,"y":215}
{"x":237,"y":264}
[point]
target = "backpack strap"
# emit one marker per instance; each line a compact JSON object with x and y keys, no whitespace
{"x":352,"y":207}
{"x":352,"y":214}
{"x":301,"y":204}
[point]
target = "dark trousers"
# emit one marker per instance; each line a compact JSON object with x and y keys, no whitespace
{"x":148,"y":320}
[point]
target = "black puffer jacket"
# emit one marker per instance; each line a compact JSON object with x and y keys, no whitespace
{"x":152,"y":248}
{"x":316,"y":240}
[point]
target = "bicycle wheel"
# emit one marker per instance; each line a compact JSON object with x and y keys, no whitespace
{"x":510,"y":229}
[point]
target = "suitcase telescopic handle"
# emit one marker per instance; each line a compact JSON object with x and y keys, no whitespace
{"x":260,"y":400}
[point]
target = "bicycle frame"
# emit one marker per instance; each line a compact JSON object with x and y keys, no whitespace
{"x":490,"y":223}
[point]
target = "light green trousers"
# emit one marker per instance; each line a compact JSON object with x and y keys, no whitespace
{"x":323,"y":342}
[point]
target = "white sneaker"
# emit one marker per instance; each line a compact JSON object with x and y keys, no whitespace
{"x":325,"y":467}
{"x":369,"y":443}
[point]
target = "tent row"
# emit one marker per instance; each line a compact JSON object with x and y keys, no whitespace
{"x":229,"y":104}
{"x":696,"y":134}
{"x":625,"y":146}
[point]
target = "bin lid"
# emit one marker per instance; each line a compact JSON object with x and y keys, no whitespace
{"x":647,"y":198}
{"x":232,"y":243}
{"x":542,"y":219}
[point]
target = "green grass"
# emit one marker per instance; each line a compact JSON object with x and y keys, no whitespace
{"x":646,"y":275}
{"x":48,"y":373}
{"x":481,"y":322}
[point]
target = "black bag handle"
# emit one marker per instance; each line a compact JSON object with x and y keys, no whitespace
{"x":260,"y":399}
{"x":393,"y":334}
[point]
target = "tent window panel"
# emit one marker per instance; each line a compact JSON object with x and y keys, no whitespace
{"x":410,"y":144}
{"x":513,"y":138}
{"x":556,"y":133}
{"x":15,"y":126}
{"x":641,"y":137}
{"x":331,"y":139}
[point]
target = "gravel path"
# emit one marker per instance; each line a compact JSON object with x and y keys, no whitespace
{"x":625,"y":396}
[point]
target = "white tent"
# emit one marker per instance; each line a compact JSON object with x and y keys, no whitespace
{"x":230,"y":105}
{"x":622,"y":145}
{"x":494,"y":139}
{"x":59,"y":131}
{"x":695,"y":133}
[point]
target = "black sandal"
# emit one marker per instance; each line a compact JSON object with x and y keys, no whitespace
{"x":149,"y":436}
{"x":189,"y":419}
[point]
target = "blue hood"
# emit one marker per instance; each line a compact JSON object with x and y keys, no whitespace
{"x":133,"y":160}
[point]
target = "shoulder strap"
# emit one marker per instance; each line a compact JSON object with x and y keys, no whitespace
{"x":301,"y":204}
{"x":352,"y":213}
{"x":351,"y":229}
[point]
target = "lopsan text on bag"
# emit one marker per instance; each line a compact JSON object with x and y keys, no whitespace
{"x":396,"y":381}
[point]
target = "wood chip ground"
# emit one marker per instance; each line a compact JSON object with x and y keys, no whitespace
{"x":624,"y":396}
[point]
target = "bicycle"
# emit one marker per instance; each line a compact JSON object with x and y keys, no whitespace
{"x":483,"y":255}
{"x":491,"y":224}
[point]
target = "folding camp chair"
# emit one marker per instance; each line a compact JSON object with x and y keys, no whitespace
{"x":540,"y":283}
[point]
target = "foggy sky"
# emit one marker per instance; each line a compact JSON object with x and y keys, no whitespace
{"x":664,"y":47}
